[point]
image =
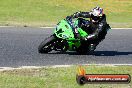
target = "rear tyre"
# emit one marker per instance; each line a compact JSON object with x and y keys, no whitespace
{"x":47,"y":45}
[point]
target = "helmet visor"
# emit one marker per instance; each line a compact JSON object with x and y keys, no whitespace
{"x":95,"y":18}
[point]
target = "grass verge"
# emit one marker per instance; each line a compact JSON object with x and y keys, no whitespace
{"x":49,"y":12}
{"x":60,"y":77}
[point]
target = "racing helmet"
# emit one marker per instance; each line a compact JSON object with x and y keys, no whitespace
{"x":96,"y":14}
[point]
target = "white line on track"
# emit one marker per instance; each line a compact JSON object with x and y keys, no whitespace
{"x":54,"y":27}
{"x":6,"y":26}
{"x":46,"y":27}
{"x":111,"y":28}
{"x":121,"y":28}
{"x":59,"y":66}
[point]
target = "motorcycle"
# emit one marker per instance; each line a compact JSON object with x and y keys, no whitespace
{"x":63,"y":38}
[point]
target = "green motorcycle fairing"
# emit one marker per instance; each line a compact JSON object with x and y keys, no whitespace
{"x":65,"y":31}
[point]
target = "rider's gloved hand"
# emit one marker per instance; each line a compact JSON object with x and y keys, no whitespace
{"x":75,"y":15}
{"x":68,"y":18}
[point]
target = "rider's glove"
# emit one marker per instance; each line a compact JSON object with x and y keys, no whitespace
{"x":68,"y":18}
{"x":76,"y":15}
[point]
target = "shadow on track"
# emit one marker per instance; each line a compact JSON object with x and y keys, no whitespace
{"x":110,"y":53}
{"x":97,"y":53}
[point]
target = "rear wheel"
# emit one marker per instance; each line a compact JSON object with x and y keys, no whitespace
{"x":47,"y":45}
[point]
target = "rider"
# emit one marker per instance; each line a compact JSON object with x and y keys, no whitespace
{"x":97,"y":26}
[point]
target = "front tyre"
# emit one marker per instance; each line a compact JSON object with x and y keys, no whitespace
{"x":47,"y":45}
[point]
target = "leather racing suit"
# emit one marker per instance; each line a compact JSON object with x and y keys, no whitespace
{"x":97,"y":31}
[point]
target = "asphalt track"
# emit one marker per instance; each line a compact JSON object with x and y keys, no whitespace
{"x":18,"y":47}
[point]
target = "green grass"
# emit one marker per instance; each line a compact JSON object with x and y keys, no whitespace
{"x":49,"y":12}
{"x":59,"y":77}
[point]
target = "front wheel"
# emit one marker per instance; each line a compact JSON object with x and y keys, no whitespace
{"x":47,"y":45}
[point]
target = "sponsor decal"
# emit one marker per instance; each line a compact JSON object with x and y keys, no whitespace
{"x":83,"y":78}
